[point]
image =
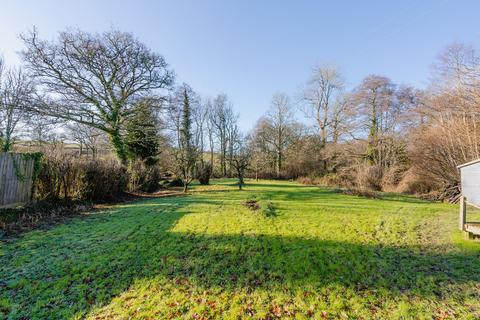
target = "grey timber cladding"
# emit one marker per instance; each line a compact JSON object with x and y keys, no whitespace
{"x":470,"y":180}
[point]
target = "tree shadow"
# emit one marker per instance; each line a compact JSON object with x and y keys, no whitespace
{"x":403,"y":198}
{"x":84,"y":264}
{"x":278,"y":185}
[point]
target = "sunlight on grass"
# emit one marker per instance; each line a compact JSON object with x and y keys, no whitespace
{"x":206,"y":255}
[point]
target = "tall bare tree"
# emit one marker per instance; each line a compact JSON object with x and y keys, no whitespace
{"x":278,"y":132}
{"x":224,"y":120}
{"x":16,"y":92}
{"x":320,"y":100}
{"x":374,"y":99}
{"x":240,"y":158}
{"x":94,"y":79}
{"x":263,"y":158}
{"x":200,"y":121}
{"x":449,"y":134}
{"x":210,"y":126}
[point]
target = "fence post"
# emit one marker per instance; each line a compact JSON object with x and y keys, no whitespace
{"x":463,"y":213}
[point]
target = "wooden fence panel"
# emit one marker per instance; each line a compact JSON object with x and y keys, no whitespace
{"x":16,"y":174}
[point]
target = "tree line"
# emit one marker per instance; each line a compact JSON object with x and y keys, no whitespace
{"x":109,"y":91}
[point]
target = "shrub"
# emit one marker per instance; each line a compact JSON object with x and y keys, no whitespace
{"x":369,"y":177}
{"x":102,"y":180}
{"x":413,"y":183}
{"x":65,"y":177}
{"x":175,"y":183}
{"x":269,"y":210}
{"x":392,"y":178}
{"x":204,"y":173}
{"x":330,"y":180}
{"x":307,"y":181}
{"x":360,"y":193}
{"x":144,"y":177}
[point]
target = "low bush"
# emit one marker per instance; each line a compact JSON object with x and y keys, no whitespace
{"x":67,"y":178}
{"x":431,"y":196}
{"x":307,"y":181}
{"x":392,"y":177}
{"x":144,"y":177}
{"x":329,"y":180}
{"x":204,"y":173}
{"x":413,"y":183}
{"x":369,"y":177}
{"x":101,"y":180}
{"x":175,"y":183}
{"x":269,"y":210}
{"x":360,"y":193}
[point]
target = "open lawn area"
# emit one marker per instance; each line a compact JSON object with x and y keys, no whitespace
{"x":311,"y":253}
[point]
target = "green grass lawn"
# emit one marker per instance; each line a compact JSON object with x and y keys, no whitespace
{"x":321,"y":255}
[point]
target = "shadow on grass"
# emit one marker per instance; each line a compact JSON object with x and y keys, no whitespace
{"x":403,"y":198}
{"x":279,"y":184}
{"x":84,"y":264}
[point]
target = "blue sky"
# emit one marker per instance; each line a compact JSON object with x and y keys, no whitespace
{"x":253,"y":49}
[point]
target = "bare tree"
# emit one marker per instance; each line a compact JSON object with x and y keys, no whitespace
{"x":342,"y":118}
{"x":278,"y":132}
{"x":375,"y":103}
{"x":16,"y":91}
{"x":320,"y":100}
{"x":240,"y":158}
{"x":87,"y":136}
{"x":263,"y":158}
{"x":200,"y":120}
{"x":224,"y":123}
{"x":94,"y":79}
{"x":210,"y":126}
{"x":449,"y":133}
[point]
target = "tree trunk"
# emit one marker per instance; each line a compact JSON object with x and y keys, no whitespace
{"x":118,"y":145}
{"x":211,"y":157}
{"x":372,"y":142}
{"x":279,"y":163}
{"x":240,"y":181}
{"x":7,"y":143}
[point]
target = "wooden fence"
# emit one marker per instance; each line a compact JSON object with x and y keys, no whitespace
{"x":16,"y":174}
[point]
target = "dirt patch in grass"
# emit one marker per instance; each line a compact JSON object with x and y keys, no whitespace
{"x":252,"y":204}
{"x":266,"y":208}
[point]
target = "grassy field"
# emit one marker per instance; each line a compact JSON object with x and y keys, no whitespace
{"x":312,"y":254}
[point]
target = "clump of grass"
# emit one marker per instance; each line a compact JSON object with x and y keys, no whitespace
{"x":269,"y":210}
